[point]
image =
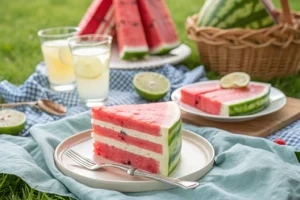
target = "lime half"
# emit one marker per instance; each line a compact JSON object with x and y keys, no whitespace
{"x":12,"y":122}
{"x":235,"y":80}
{"x":151,"y":86}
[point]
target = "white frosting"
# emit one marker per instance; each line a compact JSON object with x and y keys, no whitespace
{"x":129,"y":132}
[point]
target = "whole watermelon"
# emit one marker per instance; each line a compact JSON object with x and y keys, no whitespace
{"x":227,"y":14}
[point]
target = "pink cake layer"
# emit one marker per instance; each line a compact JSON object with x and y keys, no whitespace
{"x":145,"y":144}
{"x":125,"y":157}
{"x":143,"y":118}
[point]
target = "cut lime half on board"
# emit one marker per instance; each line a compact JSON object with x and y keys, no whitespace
{"x":151,"y":86}
{"x":235,"y":80}
{"x":12,"y":122}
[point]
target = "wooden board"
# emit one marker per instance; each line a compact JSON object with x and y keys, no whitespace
{"x":260,"y":127}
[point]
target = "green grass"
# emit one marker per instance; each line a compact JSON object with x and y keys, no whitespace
{"x":20,"y":52}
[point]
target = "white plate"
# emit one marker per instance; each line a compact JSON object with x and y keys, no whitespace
{"x":197,"y":158}
{"x":174,"y":57}
{"x":277,"y":101}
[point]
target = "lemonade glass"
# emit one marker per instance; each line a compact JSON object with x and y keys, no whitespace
{"x":91,"y":55}
{"x":58,"y":57}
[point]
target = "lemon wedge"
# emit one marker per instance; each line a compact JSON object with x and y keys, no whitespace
{"x":235,"y":80}
{"x":65,"y":55}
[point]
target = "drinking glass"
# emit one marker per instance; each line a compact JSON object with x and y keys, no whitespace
{"x":58,"y":57}
{"x":91,"y":55}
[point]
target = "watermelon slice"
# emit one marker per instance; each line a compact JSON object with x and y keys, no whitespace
{"x":146,"y":136}
{"x":159,"y":28}
{"x":130,"y":33}
{"x":99,"y":18}
{"x":215,"y":100}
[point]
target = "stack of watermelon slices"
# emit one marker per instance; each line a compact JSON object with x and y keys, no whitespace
{"x":142,"y":26}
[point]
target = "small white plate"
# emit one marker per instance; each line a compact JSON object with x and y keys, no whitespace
{"x":197,"y":158}
{"x":174,"y":57}
{"x":277,"y":101}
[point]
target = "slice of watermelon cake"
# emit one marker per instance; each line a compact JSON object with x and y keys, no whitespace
{"x":99,"y":18}
{"x":159,"y":28}
{"x":130,"y":33}
{"x":145,"y":136}
{"x":213,"y":99}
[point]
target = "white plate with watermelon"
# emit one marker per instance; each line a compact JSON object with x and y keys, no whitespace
{"x":208,"y":100}
{"x":175,"y":56}
{"x":188,"y":168}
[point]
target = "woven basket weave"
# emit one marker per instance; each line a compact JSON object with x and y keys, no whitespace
{"x":264,"y":53}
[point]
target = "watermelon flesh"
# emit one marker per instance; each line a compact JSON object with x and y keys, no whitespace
{"x":215,"y":100}
{"x":130,"y":33}
{"x":99,"y":18}
{"x":159,"y":28}
{"x":189,"y":94}
{"x":146,"y":136}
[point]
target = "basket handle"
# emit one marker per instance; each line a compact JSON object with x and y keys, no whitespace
{"x":286,"y":12}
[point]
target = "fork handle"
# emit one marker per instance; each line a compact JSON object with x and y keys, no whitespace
{"x":141,"y":173}
{"x":172,"y":181}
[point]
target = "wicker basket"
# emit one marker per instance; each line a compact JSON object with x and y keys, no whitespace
{"x":264,"y":53}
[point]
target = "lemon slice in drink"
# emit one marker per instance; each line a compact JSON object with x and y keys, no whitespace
{"x":235,"y":80}
{"x":151,"y":86}
{"x":65,"y":55}
{"x":12,"y":122}
{"x":89,"y":68}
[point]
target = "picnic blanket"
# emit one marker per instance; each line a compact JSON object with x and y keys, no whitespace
{"x":121,"y":92}
{"x":245,"y":167}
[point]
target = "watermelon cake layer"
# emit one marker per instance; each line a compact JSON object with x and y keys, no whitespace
{"x":146,"y":136}
{"x":213,"y":99}
{"x":159,"y":28}
{"x":130,"y":33}
{"x":99,"y":18}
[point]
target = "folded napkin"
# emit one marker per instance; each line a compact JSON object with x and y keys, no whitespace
{"x":121,"y":91}
{"x":245,"y":167}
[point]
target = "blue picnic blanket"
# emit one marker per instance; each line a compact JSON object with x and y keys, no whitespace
{"x":245,"y":167}
{"x":121,"y":92}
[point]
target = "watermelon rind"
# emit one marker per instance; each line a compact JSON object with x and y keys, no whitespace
{"x":172,"y":131}
{"x":132,"y":53}
{"x":234,"y":14}
{"x":164,"y":48}
{"x":174,"y":145}
{"x":247,"y":106}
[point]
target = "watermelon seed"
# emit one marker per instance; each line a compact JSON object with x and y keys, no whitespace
{"x":123,"y":132}
{"x":135,"y":24}
{"x":128,"y":163}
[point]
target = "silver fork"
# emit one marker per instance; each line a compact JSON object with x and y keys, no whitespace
{"x":91,"y":165}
